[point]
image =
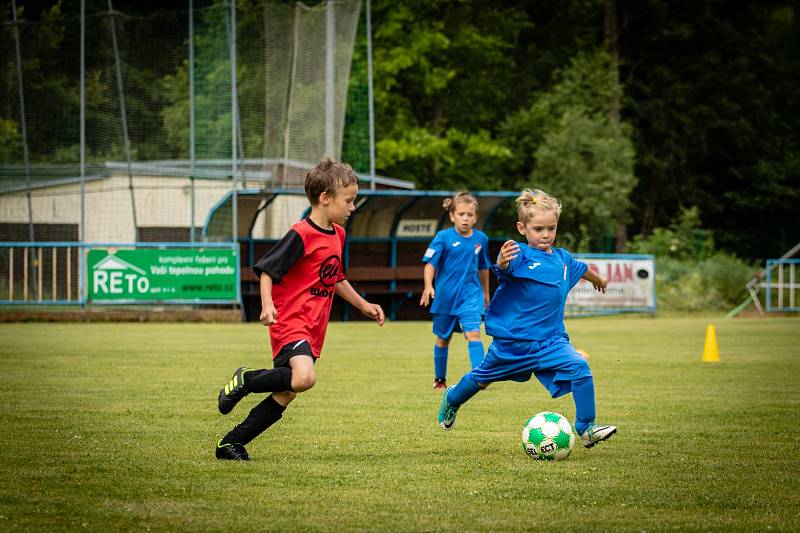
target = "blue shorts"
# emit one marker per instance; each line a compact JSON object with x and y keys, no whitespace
{"x":554,"y":361}
{"x":445,"y":325}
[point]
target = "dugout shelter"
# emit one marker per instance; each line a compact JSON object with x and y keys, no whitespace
{"x":387,"y":235}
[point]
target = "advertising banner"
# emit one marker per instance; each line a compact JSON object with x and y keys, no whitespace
{"x":631,"y":284}
{"x":163,"y":275}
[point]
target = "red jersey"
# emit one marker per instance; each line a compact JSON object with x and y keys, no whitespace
{"x":305,"y":267}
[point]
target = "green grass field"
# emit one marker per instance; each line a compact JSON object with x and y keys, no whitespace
{"x":112,"y":426}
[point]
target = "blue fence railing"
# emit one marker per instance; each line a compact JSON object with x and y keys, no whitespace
{"x":74,"y":273}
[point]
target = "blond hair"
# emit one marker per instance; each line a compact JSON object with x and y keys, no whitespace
{"x":449,"y":204}
{"x":533,"y":201}
{"x":330,"y":176}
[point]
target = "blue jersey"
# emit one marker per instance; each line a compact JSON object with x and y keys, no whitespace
{"x":529,"y":302}
{"x":457,"y":260}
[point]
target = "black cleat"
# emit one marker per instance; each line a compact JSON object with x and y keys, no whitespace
{"x":232,"y":452}
{"x":232,"y":392}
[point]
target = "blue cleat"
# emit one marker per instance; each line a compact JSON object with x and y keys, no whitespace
{"x":447,"y":413}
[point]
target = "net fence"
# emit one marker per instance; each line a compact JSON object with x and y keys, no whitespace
{"x":159,"y":119}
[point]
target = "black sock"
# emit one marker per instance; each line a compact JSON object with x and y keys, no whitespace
{"x":261,"y":417}
{"x":273,"y":380}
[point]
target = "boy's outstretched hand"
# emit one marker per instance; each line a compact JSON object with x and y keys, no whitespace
{"x":598,"y":282}
{"x":375,"y":312}
{"x":508,"y":251}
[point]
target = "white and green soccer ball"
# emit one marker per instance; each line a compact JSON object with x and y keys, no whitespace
{"x":548,"y":436}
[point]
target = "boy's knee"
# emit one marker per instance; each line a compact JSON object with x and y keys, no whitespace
{"x":472,"y":335}
{"x":284,"y":398}
{"x":301,"y":383}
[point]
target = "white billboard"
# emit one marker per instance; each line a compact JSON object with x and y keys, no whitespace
{"x":631,"y":285}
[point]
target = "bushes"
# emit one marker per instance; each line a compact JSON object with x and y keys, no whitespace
{"x":712,"y":284}
{"x":690,"y":274}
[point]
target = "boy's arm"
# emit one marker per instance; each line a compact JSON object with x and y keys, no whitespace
{"x":600,"y":283}
{"x":346,"y":291}
{"x":269,"y":315}
{"x":484,"y":275}
{"x":428,"y":292}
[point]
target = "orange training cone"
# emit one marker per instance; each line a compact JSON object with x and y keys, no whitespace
{"x":711,"y":350}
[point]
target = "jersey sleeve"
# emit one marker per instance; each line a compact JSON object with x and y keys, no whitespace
{"x":434,"y":252}
{"x":277,"y":262}
{"x":575,"y":268}
{"x":483,"y":257}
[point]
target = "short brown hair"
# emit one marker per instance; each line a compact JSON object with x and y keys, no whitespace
{"x":330,"y":176}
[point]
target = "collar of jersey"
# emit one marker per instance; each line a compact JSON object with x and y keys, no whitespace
{"x":331,"y":231}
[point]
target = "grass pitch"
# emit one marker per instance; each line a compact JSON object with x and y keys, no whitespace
{"x":112,"y":426}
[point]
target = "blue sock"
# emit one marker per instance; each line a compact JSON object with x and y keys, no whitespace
{"x":583,"y":396}
{"x":475,"y":353}
{"x":466,"y":389}
{"x":439,"y":361}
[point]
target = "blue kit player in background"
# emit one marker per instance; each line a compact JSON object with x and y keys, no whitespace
{"x":526,"y":319}
{"x":457,"y":265}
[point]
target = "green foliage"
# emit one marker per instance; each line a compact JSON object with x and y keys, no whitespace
{"x":690,"y":274}
{"x":10,"y":140}
{"x":716,"y":283}
{"x":684,"y":239}
{"x":442,"y":73}
{"x":582,"y":156}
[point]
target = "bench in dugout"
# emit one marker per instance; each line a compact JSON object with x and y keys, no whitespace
{"x":397,"y":285}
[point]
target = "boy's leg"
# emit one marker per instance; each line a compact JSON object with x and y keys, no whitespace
{"x":471,"y":325}
{"x":493,"y":368}
{"x":562,"y":370}
{"x":296,"y":358}
{"x":443,"y":329}
{"x":247,"y":380}
{"x":583,"y":396}
{"x":261,"y":417}
{"x":440,"y":351}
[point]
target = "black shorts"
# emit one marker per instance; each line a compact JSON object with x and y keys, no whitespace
{"x":290,"y":350}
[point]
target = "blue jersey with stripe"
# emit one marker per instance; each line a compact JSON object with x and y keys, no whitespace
{"x":529,"y":301}
{"x":457,"y":260}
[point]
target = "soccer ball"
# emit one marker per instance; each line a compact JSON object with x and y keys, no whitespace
{"x":548,"y":436}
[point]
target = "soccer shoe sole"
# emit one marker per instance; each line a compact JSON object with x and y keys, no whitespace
{"x":444,"y":425}
{"x":226,"y":404}
{"x":611,"y":434}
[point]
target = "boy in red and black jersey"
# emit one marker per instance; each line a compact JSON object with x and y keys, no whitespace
{"x":298,"y":278}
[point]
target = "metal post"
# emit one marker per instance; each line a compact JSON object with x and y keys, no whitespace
{"x":191,"y":117}
{"x":370,"y":98}
{"x":234,"y":118}
{"x":25,"y":159}
{"x":81,"y":275}
{"x":330,"y":43}
{"x":82,"y":235}
{"x":123,"y":114}
{"x":290,"y":103}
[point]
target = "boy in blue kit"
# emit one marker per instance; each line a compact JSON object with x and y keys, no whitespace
{"x":526,"y":319}
{"x":457,"y":259}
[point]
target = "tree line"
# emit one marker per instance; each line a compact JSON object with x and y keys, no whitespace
{"x":638,"y":115}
